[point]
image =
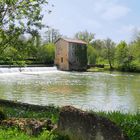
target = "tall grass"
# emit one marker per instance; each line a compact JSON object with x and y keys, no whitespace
{"x":129,"y":123}
{"x":15,"y":134}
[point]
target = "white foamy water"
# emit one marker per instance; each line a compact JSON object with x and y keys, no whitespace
{"x":27,"y":70}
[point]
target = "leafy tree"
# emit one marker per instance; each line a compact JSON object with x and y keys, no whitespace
{"x":51,"y":35}
{"x":109,"y":51}
{"x":18,"y":17}
{"x":85,"y":36}
{"x":92,"y":55}
{"x":134,"y":51}
{"x":46,"y":53}
{"x":98,"y":45}
{"x":123,"y":56}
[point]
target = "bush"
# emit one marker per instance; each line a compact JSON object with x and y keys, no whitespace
{"x":135,"y":66}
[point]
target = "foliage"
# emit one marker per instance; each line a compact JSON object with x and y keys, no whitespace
{"x":109,"y":51}
{"x":15,"y":134}
{"x":85,"y":36}
{"x":122,"y":58}
{"x":23,"y":112}
{"x":18,"y":17}
{"x":46,"y":53}
{"x":129,"y":123}
{"x":28,"y":50}
{"x":51,"y":35}
{"x":91,"y":55}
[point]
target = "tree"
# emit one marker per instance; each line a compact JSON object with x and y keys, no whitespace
{"x":91,"y":55}
{"x":85,"y":36}
{"x":18,"y":17}
{"x":134,"y":52}
{"x":98,"y":44}
{"x":20,"y":13}
{"x":123,"y":56}
{"x":34,"y":43}
{"x":109,"y":51}
{"x":51,"y":35}
{"x":46,"y":53}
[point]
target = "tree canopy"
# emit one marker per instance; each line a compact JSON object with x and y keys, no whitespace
{"x":85,"y":36}
{"x":18,"y":17}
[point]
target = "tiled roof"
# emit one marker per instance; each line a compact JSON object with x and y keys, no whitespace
{"x":73,"y":40}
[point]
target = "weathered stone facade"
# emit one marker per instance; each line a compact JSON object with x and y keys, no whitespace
{"x":71,"y":55}
{"x":80,"y":125}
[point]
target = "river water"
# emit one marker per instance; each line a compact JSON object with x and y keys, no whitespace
{"x":97,"y":91}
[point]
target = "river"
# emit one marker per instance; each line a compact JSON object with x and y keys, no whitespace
{"x":99,"y":91}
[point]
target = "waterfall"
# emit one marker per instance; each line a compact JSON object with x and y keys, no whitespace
{"x":27,"y":69}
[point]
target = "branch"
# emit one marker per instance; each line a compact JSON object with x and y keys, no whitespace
{"x":3,"y":16}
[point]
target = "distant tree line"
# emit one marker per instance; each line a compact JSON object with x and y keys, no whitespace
{"x":121,"y":56}
{"x":20,"y":39}
{"x":31,"y":49}
{"x":21,"y":42}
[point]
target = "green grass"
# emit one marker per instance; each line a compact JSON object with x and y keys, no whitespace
{"x":15,"y":134}
{"x":97,"y":69}
{"x":129,"y":123}
{"x":23,"y":112}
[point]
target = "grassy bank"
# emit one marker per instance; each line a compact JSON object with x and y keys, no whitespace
{"x":107,"y":68}
{"x":99,"y":69}
{"x":14,"y":110}
{"x":129,"y":123}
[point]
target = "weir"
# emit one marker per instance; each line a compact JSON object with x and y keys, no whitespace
{"x":27,"y":69}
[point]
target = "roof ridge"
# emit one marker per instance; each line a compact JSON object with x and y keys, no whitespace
{"x":73,"y":40}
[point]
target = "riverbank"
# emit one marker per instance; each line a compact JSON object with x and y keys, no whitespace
{"x":129,"y":123}
{"x":106,"y":68}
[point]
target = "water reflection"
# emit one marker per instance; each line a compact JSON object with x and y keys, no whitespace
{"x":98,"y":91}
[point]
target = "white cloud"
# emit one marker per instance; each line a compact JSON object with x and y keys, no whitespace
{"x":129,"y":32}
{"x":110,"y":9}
{"x":115,"y":12}
{"x":128,"y":29}
{"x":97,"y":16}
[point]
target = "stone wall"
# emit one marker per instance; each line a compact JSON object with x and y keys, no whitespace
{"x":61,"y":52}
{"x":80,"y":125}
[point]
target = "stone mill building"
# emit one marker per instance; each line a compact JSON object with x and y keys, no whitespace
{"x":71,"y":54}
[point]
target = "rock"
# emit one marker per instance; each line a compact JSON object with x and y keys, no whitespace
{"x":30,"y":126}
{"x":80,"y":125}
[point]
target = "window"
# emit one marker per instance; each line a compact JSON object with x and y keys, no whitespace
{"x":61,"y":59}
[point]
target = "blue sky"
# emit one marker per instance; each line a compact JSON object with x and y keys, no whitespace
{"x":116,"y":19}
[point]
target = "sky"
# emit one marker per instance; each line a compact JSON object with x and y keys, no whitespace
{"x":115,"y":19}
